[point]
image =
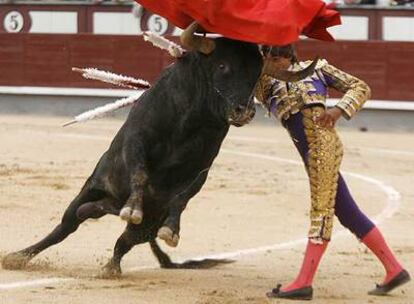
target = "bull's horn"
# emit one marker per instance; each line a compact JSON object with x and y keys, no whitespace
{"x":288,"y":76}
{"x":194,"y":42}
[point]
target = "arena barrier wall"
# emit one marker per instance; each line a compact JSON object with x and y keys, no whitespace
{"x":45,"y":60}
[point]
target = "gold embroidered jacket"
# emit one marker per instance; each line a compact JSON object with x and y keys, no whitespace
{"x":283,"y":99}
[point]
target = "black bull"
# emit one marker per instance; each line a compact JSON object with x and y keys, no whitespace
{"x":161,"y":156}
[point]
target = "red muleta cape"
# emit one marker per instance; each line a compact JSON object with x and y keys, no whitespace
{"x":274,"y":22}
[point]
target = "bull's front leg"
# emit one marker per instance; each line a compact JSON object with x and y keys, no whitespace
{"x":170,"y":231}
{"x":132,"y":211}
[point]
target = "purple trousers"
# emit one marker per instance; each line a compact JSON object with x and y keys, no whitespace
{"x":346,"y":209}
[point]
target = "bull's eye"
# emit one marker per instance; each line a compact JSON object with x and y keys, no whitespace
{"x":223,"y":68}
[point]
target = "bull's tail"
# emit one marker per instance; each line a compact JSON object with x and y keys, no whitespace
{"x":165,"y":261}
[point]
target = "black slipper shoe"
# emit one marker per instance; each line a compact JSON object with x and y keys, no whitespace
{"x":400,"y":279}
{"x":304,"y":293}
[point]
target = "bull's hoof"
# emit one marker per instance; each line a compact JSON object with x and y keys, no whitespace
{"x":136,"y":217}
{"x":166,"y":234}
{"x":111,"y":270}
{"x":15,"y":261}
{"x":130,"y":215}
{"x":125,"y":213}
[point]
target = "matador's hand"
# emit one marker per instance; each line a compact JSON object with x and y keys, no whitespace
{"x":329,"y":118}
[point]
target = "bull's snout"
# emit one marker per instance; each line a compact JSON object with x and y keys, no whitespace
{"x":242,"y":114}
{"x":240,"y":109}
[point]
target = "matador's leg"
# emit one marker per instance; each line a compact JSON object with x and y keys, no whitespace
{"x":323,"y":162}
{"x":321,"y":152}
{"x":346,"y":209}
{"x":348,"y":212}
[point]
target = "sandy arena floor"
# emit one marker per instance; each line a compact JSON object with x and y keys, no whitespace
{"x":253,"y":208}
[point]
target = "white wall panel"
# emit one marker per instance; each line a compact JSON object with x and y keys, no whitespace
{"x":398,"y":28}
{"x":352,"y":28}
{"x":115,"y":23}
{"x":54,"y":22}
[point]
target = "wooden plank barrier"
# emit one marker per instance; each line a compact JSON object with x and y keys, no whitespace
{"x":47,"y":59}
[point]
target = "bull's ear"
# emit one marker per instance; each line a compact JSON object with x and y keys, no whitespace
{"x":194,"y":42}
{"x":270,"y":69}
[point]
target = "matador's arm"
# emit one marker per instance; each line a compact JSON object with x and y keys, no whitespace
{"x":356,"y":92}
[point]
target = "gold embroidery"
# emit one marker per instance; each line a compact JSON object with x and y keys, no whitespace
{"x":356,"y":91}
{"x":324,"y":158}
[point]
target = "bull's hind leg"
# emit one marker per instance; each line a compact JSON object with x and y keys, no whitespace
{"x":123,"y":245}
{"x":125,"y":242}
{"x":162,"y":257}
{"x":72,"y":218}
